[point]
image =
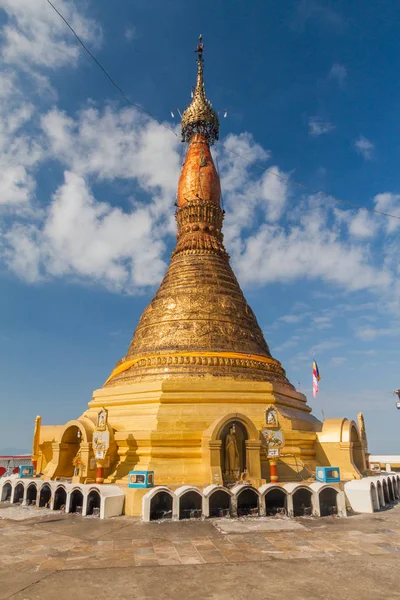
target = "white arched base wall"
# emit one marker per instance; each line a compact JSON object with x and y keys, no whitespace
{"x":367,"y":495}
{"x":112,"y":498}
{"x":257,"y":498}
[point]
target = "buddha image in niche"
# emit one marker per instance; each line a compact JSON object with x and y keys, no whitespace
{"x":232,"y":460}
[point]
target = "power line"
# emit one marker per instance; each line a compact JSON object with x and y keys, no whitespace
{"x":121,"y":91}
{"x":251,"y":162}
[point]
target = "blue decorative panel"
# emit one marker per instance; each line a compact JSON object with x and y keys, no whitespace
{"x":140,"y":479}
{"x":327,"y":474}
{"x":24,"y":472}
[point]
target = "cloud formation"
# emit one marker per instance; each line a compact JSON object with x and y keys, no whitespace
{"x":107,"y":214}
{"x":317,"y":126}
{"x":364,"y":147}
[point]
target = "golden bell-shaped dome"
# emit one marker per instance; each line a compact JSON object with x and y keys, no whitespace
{"x":199,"y":323}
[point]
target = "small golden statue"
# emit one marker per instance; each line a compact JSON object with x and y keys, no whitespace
{"x":232,"y":457}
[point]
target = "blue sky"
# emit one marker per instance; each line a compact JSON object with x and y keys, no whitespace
{"x":88,"y":187}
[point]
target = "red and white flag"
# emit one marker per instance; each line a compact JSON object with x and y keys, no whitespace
{"x":315,"y":378}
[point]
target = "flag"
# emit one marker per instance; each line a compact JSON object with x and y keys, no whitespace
{"x":315,"y":378}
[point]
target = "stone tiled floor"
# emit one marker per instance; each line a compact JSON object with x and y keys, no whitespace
{"x":38,"y":554}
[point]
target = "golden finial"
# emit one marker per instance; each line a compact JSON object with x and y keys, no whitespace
{"x":199,"y":117}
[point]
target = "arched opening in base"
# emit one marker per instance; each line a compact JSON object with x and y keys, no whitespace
{"x":247,"y":503}
{"x":161,"y":506}
{"x":275,"y":502}
{"x":380,"y":495}
{"x":93,"y":504}
{"x":385,"y":492}
{"x":6,"y":493}
{"x":395,"y":488}
{"x":390,"y":489}
{"x":357,"y":450}
{"x":76,"y":502}
{"x":60,"y":499}
{"x":374,"y":498}
{"x":71,"y":437}
{"x":190,"y":505}
{"x":19,"y":493}
{"x":45,"y":496}
{"x":219,"y":504}
{"x":302,"y":506}
{"x":31,"y":494}
{"x":328,"y":502}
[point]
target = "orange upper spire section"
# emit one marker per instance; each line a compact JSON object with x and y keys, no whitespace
{"x":199,"y":179}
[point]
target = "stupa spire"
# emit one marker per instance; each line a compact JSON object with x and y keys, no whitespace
{"x":200,"y":117}
{"x":198,"y":323}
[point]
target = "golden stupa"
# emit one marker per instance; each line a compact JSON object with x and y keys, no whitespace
{"x":198,"y":368}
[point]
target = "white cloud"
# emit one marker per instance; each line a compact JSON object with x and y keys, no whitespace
{"x":117,"y":144}
{"x":370,"y":333}
{"x":86,"y":239}
{"x":389,"y":203}
{"x":19,"y":151}
{"x":294,"y":341}
{"x":322,"y":15}
{"x":130,"y":33}
{"x":338,"y":73}
{"x":338,"y":360}
{"x":364,"y":147}
{"x":317,"y":126}
{"x":36,"y":36}
{"x":363,"y":225}
{"x":308,"y":250}
{"x":269,"y":240}
{"x":322,"y":322}
{"x":290,"y":319}
{"x":325,"y":346}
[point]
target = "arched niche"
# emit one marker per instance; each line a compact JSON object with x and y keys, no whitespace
{"x":161,"y":505}
{"x":374,"y":498}
{"x":248,"y":445}
{"x":60,"y":498}
{"x":44,"y":496}
{"x":70,"y":443}
{"x":302,"y":502}
{"x":247,"y":502}
{"x":233,"y":451}
{"x":76,"y":502}
{"x":395,"y":488}
{"x":219,"y":503}
{"x":93,"y":503}
{"x":6,"y":492}
{"x":190,"y":505}
{"x":381,"y":497}
{"x":19,"y":491}
{"x":275,"y":501}
{"x":328,"y":502}
{"x":390,"y":489}
{"x":31,"y":494}
{"x":385,"y":492}
{"x":357,"y":450}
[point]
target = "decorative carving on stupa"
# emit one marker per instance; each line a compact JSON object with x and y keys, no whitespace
{"x":199,"y":322}
{"x":200,"y":117}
